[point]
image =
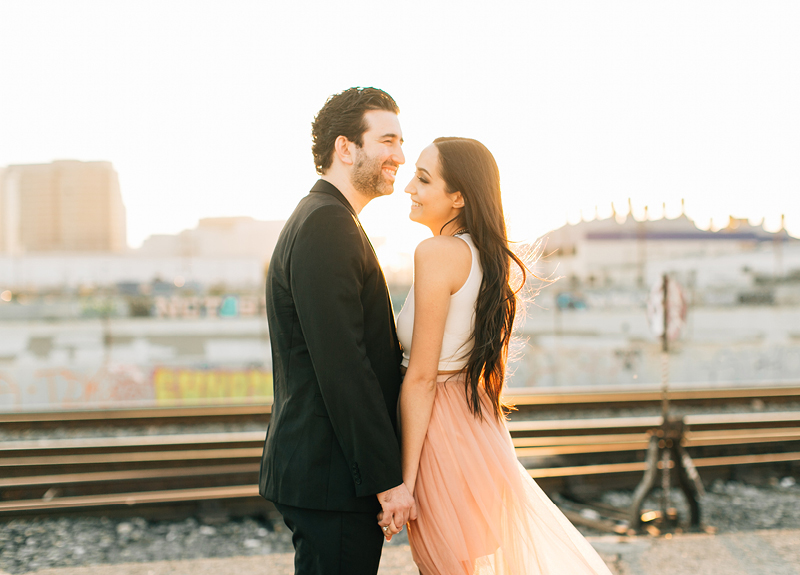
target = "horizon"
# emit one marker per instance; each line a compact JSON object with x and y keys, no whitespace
{"x":395,"y":249}
{"x":582,"y":105}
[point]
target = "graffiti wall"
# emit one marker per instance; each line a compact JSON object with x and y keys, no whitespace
{"x":157,"y":362}
{"x":583,"y":361}
{"x":202,"y":386}
{"x":125,"y":385}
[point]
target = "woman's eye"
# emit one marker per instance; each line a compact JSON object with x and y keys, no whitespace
{"x":421,"y":179}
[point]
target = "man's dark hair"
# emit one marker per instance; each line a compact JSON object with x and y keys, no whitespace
{"x":343,"y":115}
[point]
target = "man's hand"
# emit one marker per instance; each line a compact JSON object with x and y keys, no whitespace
{"x":398,"y":507}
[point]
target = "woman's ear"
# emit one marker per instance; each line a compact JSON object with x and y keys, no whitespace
{"x":344,"y":150}
{"x":458,"y":200}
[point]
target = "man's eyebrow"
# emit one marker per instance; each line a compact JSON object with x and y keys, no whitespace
{"x":391,"y":136}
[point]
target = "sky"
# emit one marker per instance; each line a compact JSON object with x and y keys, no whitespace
{"x":204,"y":108}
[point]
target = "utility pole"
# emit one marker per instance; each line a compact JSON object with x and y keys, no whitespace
{"x":665,"y":452}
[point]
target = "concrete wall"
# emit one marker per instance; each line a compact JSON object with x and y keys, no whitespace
{"x":612,"y":347}
{"x":74,"y":270}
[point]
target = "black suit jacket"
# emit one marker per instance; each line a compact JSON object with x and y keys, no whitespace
{"x":331,"y":443}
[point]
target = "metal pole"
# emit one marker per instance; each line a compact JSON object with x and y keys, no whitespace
{"x":106,"y":338}
{"x":665,"y":482}
{"x":665,"y":460}
{"x":665,"y":353}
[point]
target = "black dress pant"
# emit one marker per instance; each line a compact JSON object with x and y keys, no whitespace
{"x":333,"y":542}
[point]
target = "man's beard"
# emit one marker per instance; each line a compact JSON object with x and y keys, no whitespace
{"x":368,"y":178}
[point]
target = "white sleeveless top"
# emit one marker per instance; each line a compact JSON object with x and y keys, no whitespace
{"x":458,"y":341}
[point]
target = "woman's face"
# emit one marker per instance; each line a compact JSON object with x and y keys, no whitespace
{"x":431,"y":205}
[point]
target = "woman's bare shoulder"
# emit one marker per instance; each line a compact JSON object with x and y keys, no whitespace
{"x":442,"y":248}
{"x":444,"y":257}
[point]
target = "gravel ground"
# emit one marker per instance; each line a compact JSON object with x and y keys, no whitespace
{"x":33,"y":544}
{"x":731,"y":506}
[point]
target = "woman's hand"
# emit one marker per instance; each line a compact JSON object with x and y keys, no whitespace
{"x":390,"y":530}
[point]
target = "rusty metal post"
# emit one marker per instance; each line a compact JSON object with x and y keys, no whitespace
{"x":665,"y":352}
{"x":666,"y":452}
{"x":647,"y":483}
{"x":666,"y":441}
{"x":690,"y":483}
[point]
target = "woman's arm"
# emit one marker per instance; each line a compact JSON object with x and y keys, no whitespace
{"x":441,"y":266}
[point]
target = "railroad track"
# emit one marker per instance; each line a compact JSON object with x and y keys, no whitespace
{"x":57,"y":475}
{"x":526,"y":400}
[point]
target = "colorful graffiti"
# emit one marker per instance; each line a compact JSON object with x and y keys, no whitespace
{"x":187,"y":385}
{"x":120,"y":385}
{"x":67,"y":388}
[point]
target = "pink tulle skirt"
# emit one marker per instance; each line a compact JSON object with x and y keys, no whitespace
{"x":479,"y":512}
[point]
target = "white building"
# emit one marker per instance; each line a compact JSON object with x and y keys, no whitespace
{"x":229,"y":251}
{"x":621,"y":251}
{"x":218,"y":237}
{"x":42,"y":271}
{"x":66,"y":205}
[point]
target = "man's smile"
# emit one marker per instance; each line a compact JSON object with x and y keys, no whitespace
{"x":390,"y":172}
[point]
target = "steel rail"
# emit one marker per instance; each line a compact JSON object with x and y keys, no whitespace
{"x":641,"y":444}
{"x":129,"y":499}
{"x":221,"y":445}
{"x":596,"y":445}
{"x":694,"y":421}
{"x":128,"y":475}
{"x":521,"y":397}
{"x":225,"y":455}
{"x":610,"y":468}
{"x":251,"y":491}
{"x":122,"y":414}
{"x":555,"y":398}
{"x":131,"y":457}
{"x":225,"y":437}
{"x":751,"y":422}
{"x":691,"y":438}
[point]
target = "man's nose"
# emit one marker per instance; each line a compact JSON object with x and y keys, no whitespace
{"x":398,"y":156}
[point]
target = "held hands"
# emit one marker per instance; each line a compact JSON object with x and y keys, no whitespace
{"x":398,"y":507}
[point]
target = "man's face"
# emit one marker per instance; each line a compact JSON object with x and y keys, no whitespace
{"x":376,"y":162}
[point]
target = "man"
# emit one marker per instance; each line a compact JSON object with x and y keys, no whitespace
{"x":331,"y":459}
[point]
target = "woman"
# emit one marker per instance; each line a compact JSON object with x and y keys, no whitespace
{"x":479,"y":512}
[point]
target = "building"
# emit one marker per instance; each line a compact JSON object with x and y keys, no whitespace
{"x":241,"y":237}
{"x":51,"y":271}
{"x":231,"y":251}
{"x":622,"y":251}
{"x":66,"y":205}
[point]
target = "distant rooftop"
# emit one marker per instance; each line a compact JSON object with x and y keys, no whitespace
{"x":626,"y":227}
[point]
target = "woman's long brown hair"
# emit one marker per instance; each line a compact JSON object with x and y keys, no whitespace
{"x":467,"y":166}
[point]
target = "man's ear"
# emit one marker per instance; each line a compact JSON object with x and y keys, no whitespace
{"x":458,"y":199}
{"x":344,"y":150}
